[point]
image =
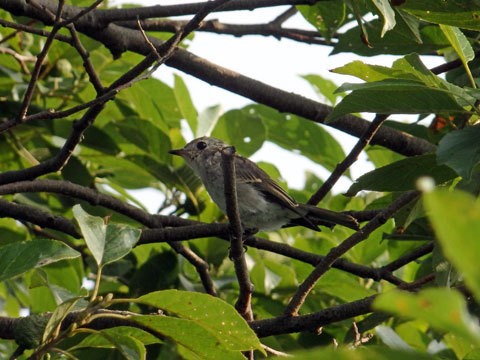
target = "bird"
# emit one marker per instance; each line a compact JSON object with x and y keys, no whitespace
{"x":262,"y":204}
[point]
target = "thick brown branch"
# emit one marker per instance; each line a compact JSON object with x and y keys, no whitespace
{"x":38,"y":217}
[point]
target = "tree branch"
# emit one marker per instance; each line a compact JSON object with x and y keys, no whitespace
{"x":243,"y":304}
{"x":119,"y":39}
{"x":362,"y":234}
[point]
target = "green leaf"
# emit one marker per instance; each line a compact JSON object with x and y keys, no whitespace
{"x":295,"y":133}
{"x":121,"y":339}
{"x":185,"y":103}
{"x":387,"y":13}
{"x":461,"y":46}
{"x":402,"y":175}
{"x":119,"y":242}
{"x":459,"y":43}
{"x":326,"y":16}
{"x":98,"y":340}
{"x":460,"y":150}
{"x":93,"y":230}
{"x":210,"y":313}
{"x":58,"y":315}
{"x":391,"y":338}
{"x":155,"y":101}
{"x":409,"y":67}
{"x":443,"y":309}
{"x":394,"y":97}
{"x":190,"y":337}
{"x":397,"y":42}
{"x":107,"y":243}
{"x":146,"y":136}
{"x":361,"y":353}
{"x":343,"y":286}
{"x":207,"y":120}
{"x":19,"y":257}
{"x":242,"y":130}
{"x":457,"y":236}
{"x":412,"y":23}
{"x":122,"y":171}
{"x":381,"y":156}
{"x":324,"y":88}
{"x":463,"y":14}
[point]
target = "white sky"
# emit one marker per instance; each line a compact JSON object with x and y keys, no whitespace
{"x":277,"y":63}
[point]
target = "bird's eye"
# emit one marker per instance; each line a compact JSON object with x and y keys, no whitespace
{"x":201,"y":145}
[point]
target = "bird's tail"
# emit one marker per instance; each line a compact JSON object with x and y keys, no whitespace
{"x":319,"y":216}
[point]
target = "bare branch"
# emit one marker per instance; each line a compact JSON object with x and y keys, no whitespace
{"x":362,"y":142}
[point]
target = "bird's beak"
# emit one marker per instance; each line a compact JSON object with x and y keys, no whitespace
{"x":179,"y":152}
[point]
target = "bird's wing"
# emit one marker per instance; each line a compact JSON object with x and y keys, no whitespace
{"x":249,"y":172}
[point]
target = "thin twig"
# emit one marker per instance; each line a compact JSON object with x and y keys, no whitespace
{"x":81,"y":13}
{"x":409,"y":257}
{"x":362,"y":142}
{"x":32,"y":30}
{"x":200,"y":265}
{"x":280,"y":19}
{"x":20,"y":58}
{"x":38,"y":65}
{"x":87,"y":63}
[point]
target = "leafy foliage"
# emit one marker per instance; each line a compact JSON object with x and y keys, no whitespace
{"x":100,"y":277}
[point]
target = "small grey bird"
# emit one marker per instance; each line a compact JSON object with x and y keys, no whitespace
{"x":263,"y":205}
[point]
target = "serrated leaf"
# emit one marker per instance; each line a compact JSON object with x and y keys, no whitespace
{"x":19,"y":257}
{"x":460,"y":150}
{"x":401,"y":175}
